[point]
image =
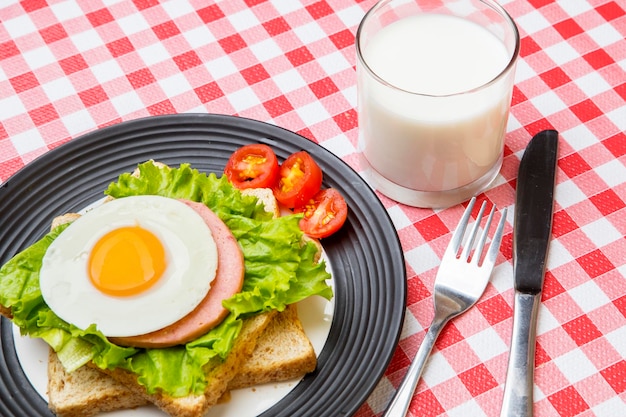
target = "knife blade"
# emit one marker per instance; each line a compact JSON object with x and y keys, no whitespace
{"x":531,"y":237}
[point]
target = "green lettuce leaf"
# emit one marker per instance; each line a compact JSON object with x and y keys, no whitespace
{"x":279,"y":270}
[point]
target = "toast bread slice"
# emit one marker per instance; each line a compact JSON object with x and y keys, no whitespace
{"x":86,"y":391}
{"x":282,"y":352}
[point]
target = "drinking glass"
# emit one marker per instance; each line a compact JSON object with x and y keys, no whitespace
{"x":434,"y":86}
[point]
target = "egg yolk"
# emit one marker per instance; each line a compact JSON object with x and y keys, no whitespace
{"x":126,"y":261}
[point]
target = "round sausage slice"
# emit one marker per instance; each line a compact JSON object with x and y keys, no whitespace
{"x":210,"y":312}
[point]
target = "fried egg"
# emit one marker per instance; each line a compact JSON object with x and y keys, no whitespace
{"x":130,"y":266}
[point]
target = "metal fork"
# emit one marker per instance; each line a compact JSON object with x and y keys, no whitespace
{"x":460,"y":282}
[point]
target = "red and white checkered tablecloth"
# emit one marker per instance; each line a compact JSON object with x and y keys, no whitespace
{"x":69,"y":67}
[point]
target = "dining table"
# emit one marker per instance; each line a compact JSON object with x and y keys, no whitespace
{"x":69,"y":68}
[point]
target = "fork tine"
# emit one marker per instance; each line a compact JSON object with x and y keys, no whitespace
{"x":472,"y":237}
{"x":483,"y":237}
{"x":457,"y":236}
{"x":494,"y":247}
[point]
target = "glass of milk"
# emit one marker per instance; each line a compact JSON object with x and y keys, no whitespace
{"x":434,"y":83}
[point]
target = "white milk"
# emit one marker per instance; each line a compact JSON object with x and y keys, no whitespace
{"x":437,"y":139}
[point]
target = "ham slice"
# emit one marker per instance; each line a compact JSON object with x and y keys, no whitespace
{"x":210,"y":312}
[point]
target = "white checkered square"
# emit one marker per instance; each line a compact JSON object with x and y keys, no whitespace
{"x":601,"y":232}
{"x":422,"y":259}
{"x":39,"y":57}
{"x":28,"y":141}
{"x":589,"y":296}
{"x":583,"y":369}
{"x":487,"y":344}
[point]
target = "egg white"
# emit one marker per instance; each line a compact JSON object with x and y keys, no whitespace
{"x":191,"y":256}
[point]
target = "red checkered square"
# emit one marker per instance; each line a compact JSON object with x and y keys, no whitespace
{"x":541,"y":356}
{"x":145,"y":4}
{"x":209,"y":92}
{"x":323,"y":88}
{"x":210,"y":13}
{"x":506,"y":247}
{"x":24,"y":82}
{"x":399,"y":361}
{"x":586,"y":110}
{"x":568,"y":402}
{"x":495,"y":309}
{"x":347,"y":120}
{"x":431,"y":227}
{"x":73,"y":64}
{"x":163,"y":107}
{"x":255,"y":74}
{"x":8,"y":49}
{"x":582,"y":330}
{"x":187,"y":60}
{"x":251,"y":3}
{"x":528,"y":46}
{"x":620,"y":303}
{"x":8,"y":167}
{"x":517,"y":97}
{"x":598,"y":59}
{"x":277,"y":106}
{"x":568,"y":28}
{"x":232,"y":43}
{"x":32,"y":5}
{"x":276,"y":26}
{"x":141,"y":78}
{"x":425,"y":404}
{"x":166,"y":30}
{"x":607,"y":202}
{"x":364,"y":411}
{"x":573,"y":165}
{"x":100,"y":17}
{"x":551,"y":287}
{"x":299,"y":56}
{"x":610,"y":11}
{"x":555,"y":78}
{"x":93,"y":96}
{"x":538,"y":4}
{"x":43,"y":115}
{"x":615,"y":375}
{"x":306,"y":132}
{"x":538,"y":126}
{"x":418,"y":291}
{"x":343,"y":39}
{"x":562,"y":223}
{"x":478,"y":380}
{"x":616,"y":144}
{"x":120,"y":47}
{"x":595,"y":263}
{"x":319,"y":9}
{"x":53,"y":33}
{"x":449,"y":336}
{"x":621,"y":90}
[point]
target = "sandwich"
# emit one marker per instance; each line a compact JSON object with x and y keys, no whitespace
{"x":187,"y":373}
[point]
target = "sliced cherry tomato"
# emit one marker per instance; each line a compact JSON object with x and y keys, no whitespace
{"x":324,"y":214}
{"x":299,"y":179}
{"x":252,"y":166}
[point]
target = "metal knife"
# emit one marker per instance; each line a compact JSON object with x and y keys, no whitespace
{"x":531,"y":237}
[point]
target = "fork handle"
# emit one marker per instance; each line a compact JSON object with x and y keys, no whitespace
{"x":518,"y":389}
{"x":400,"y":402}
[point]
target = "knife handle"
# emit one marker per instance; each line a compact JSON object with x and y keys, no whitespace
{"x":518,"y":389}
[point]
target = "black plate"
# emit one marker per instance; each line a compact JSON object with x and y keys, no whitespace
{"x":366,"y":256}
